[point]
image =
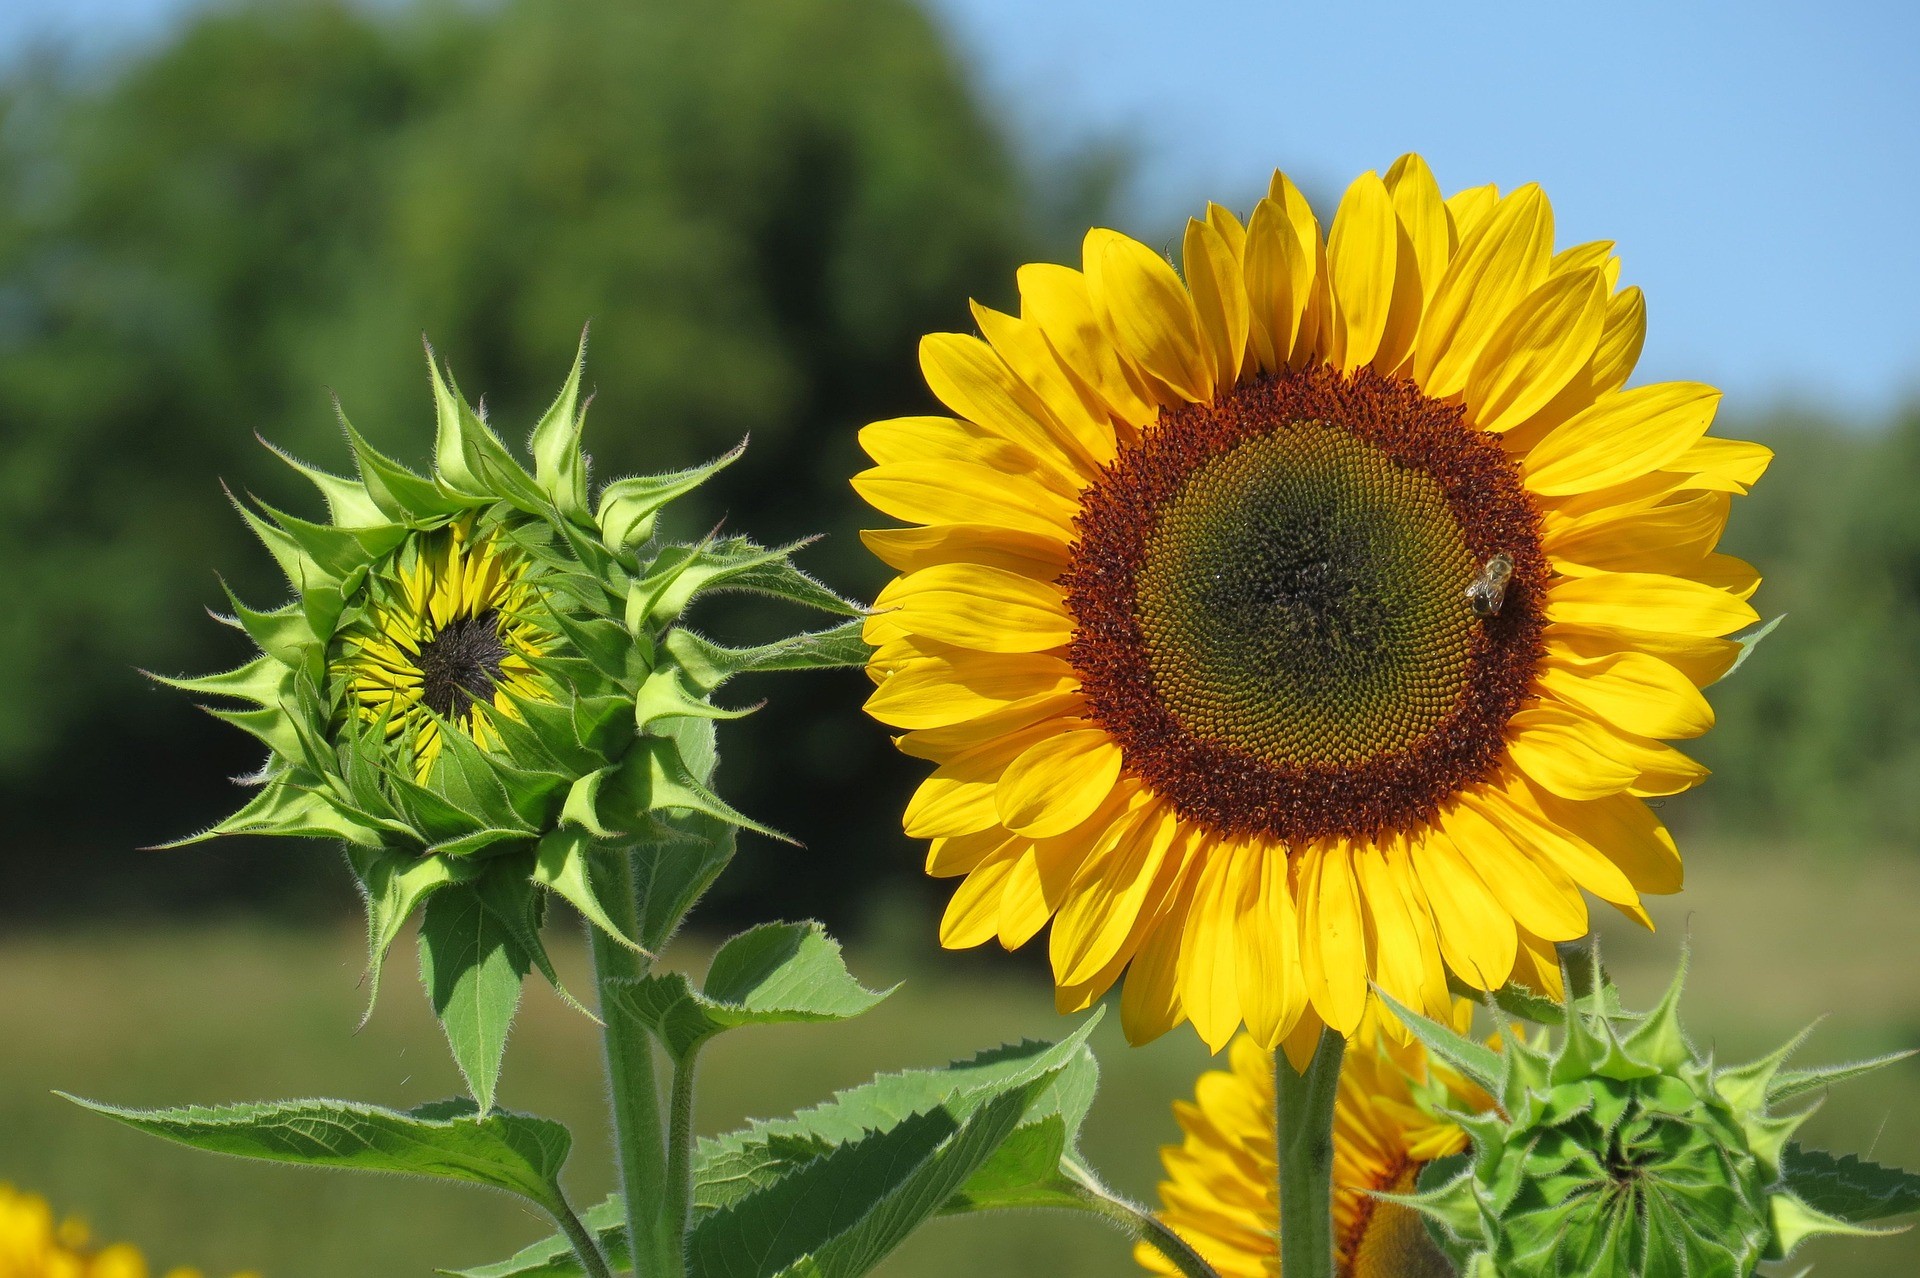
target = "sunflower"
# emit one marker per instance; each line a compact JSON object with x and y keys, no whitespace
{"x":34,"y":1244}
{"x":449,"y":641}
{"x":1316,"y":620}
{"x":1220,"y":1192}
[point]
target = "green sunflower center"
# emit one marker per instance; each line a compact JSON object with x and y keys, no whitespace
{"x":1303,"y":598}
{"x":1310,"y":607}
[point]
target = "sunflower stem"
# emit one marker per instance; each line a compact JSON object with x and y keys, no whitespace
{"x":1135,"y":1221}
{"x":1303,"y":1131}
{"x":679,"y":1203}
{"x":639,"y":1136}
{"x":585,"y":1249}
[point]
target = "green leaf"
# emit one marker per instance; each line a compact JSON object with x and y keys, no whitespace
{"x":672,"y":873}
{"x":348,"y":504}
{"x":1788,"y":1084}
{"x":739,"y":1178}
{"x":841,"y":1186}
{"x":562,"y":863}
{"x":395,"y":886}
{"x":447,"y":1139}
{"x":664,"y":695}
{"x":708,"y":664}
{"x":1479,"y":1063}
{"x":1848,"y":1187}
{"x":1749,"y":641}
{"x":558,"y":466}
{"x":655,"y":777}
{"x":774,"y":973}
{"x":473,"y":969}
{"x":628,"y":506}
{"x":399,"y":493}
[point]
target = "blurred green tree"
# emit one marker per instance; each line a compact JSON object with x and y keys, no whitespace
{"x":759,"y":206}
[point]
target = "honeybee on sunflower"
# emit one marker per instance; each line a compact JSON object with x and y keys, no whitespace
{"x":1310,"y":618}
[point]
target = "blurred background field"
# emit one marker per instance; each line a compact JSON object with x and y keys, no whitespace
{"x":209,"y":224}
{"x":166,"y":1016}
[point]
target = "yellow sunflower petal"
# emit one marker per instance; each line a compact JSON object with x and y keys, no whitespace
{"x":962,"y":854}
{"x":1423,"y":216}
{"x":1647,"y":601}
{"x":1664,"y":770}
{"x":1476,"y":934}
{"x":1733,"y":464}
{"x":1362,"y":250}
{"x":1470,"y":208}
{"x":1145,"y":310}
{"x":970,"y":377}
{"x":1266,"y":955}
{"x":933,"y":692}
{"x":1058,"y":782}
{"x":1512,"y":807}
{"x":973,"y":914}
{"x":1038,"y":883}
{"x":1279,"y":275}
{"x":1624,"y":435}
{"x":1630,"y":690}
{"x":959,"y":797}
{"x":1315,"y":292}
{"x":911,"y":549}
{"x":1621,"y":339}
{"x":1627,"y":831}
{"x":1537,"y":966}
{"x":923,"y":439}
{"x":1407,"y":961}
{"x":1547,"y":338}
{"x":1664,"y":538}
{"x":1150,"y":1000}
{"x":951,"y":492}
{"x":1333,"y":935}
{"x":1209,"y":991}
{"x":1056,"y":298}
{"x":1219,"y":299}
{"x":1701,"y":660}
{"x":1504,"y":259}
{"x":947,"y":741}
{"x":1568,"y":753}
{"x":981,"y":608}
{"x":1229,"y":229}
{"x":1086,"y":429}
{"x":1536,"y":892}
{"x":1105,"y":900}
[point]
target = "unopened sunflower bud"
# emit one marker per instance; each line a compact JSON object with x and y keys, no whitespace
{"x":481,"y":682}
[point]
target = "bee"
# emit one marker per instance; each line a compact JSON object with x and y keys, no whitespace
{"x":1489,"y":588}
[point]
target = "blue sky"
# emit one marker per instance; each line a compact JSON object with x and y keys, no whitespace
{"x":1758,"y":163}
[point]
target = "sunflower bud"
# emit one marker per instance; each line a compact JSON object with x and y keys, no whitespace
{"x":483,"y":681}
{"x":1621,"y":1151}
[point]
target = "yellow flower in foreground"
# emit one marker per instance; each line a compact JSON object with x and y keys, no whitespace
{"x":1220,"y":1193}
{"x":1316,"y":619}
{"x":34,"y":1245}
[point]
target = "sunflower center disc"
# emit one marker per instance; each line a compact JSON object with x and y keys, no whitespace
{"x":1270,"y":598}
{"x":1302,"y":599}
{"x":461,"y":664}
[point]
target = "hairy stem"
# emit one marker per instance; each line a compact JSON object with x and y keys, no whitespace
{"x":1133,"y":1220}
{"x":584,"y":1246}
{"x":1303,"y":1127}
{"x":639,"y":1140}
{"x":679,"y":1190}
